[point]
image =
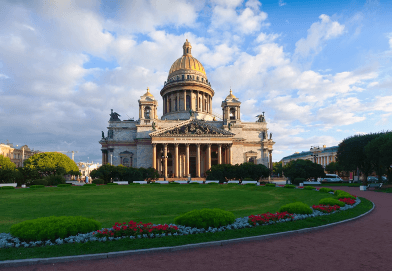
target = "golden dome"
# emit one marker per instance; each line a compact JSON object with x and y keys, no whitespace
{"x":231,"y":96}
{"x":187,"y":61}
{"x":148,"y":93}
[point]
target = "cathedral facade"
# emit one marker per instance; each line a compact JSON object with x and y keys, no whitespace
{"x":188,"y":138}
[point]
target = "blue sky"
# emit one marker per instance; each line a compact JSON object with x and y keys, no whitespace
{"x":320,"y":70}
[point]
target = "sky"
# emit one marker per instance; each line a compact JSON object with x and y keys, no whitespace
{"x":321,"y":71}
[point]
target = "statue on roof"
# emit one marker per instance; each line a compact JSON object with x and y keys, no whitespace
{"x":114,"y":116}
{"x":261,"y":117}
{"x":271,"y":135}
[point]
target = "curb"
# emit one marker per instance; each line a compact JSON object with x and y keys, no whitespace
{"x":15,"y":263}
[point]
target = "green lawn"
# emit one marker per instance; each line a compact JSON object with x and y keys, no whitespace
{"x":147,"y":203}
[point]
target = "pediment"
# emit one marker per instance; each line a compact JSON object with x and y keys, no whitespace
{"x":192,"y":128}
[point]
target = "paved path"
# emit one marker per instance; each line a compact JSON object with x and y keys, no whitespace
{"x":363,"y":244}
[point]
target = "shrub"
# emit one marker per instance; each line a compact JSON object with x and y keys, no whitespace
{"x":289,"y":186}
{"x":173,"y":183}
{"x":206,"y":218}
{"x":331,"y":202}
{"x":212,"y":183}
{"x":194,"y":182}
{"x":252,"y":184}
{"x":134,"y":184}
{"x":345,"y":195}
{"x":40,"y":182}
{"x":326,"y":190}
{"x":296,"y":207}
{"x":90,"y":184}
{"x":248,"y":179}
{"x":309,"y":188}
{"x":37,"y":186}
{"x":7,"y":187}
{"x":153,"y":183}
{"x":98,"y":181}
{"x":298,"y":180}
{"x":271,"y":184}
{"x":51,"y":228}
{"x":110,"y":183}
{"x":55,"y":179}
{"x":64,"y":185}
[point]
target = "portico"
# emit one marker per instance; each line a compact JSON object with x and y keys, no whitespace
{"x":191,"y":147}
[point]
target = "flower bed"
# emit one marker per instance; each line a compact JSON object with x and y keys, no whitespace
{"x":348,"y":201}
{"x":326,"y":208}
{"x":133,"y":229}
{"x":267,"y":217}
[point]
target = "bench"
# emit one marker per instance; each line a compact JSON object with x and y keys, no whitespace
{"x":212,"y":181}
{"x":161,"y":181}
{"x":249,"y":182}
{"x":374,"y":185}
{"x":141,"y":182}
{"x":233,"y":181}
{"x":121,"y":182}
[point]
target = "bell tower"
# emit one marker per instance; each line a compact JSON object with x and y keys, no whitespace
{"x":230,"y":109}
{"x":147,"y":108}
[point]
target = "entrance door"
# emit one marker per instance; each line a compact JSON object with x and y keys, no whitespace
{"x":193,"y":167}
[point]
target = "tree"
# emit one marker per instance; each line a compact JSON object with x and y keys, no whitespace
{"x":333,"y":167}
{"x":7,"y":170}
{"x":6,"y":163}
{"x":351,"y":154}
{"x":277,"y":168}
{"x":51,"y":163}
{"x":303,"y":169}
{"x":225,"y":172}
{"x":379,"y":152}
{"x":105,"y":172}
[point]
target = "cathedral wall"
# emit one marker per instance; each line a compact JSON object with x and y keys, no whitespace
{"x":124,"y":134}
{"x":144,"y":155}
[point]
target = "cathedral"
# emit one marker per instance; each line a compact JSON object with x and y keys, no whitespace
{"x":188,"y":138}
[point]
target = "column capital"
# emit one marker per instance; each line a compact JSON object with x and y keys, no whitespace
{"x":176,"y":144}
{"x":154,"y":145}
{"x":187,"y":144}
{"x":209,"y":145}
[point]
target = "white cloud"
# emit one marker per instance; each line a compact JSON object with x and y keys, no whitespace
{"x":281,"y":3}
{"x":317,"y":34}
{"x":267,"y":38}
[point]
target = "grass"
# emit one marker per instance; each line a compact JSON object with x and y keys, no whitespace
{"x":156,"y":204}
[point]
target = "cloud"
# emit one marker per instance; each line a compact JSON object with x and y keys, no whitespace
{"x":267,"y":38}
{"x":281,"y":3}
{"x":317,"y":34}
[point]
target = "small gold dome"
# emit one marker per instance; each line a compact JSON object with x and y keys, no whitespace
{"x":187,"y":61}
{"x":148,"y":93}
{"x":231,"y":96}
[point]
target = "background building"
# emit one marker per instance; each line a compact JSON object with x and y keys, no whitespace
{"x":189,"y":138}
{"x":322,"y":156}
{"x":17,"y":154}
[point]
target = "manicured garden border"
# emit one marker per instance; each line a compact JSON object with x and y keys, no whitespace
{"x":69,"y":252}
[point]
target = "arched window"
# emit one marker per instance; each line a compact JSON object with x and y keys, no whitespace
{"x":205,"y":105}
{"x":188,"y":102}
{"x":182,"y":77}
{"x":197,"y":78}
{"x":200,"y":104}
{"x":147,"y":113}
{"x":176,"y":104}
{"x":187,"y":50}
{"x":177,"y":78}
{"x":170,"y":105}
{"x":232,"y":114}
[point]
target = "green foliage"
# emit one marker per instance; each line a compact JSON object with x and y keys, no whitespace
{"x":296,"y":207}
{"x":98,"y":181}
{"x":352,"y":154}
{"x":130,"y":174}
{"x":174,"y":183}
{"x":40,"y":182}
{"x":248,"y":179}
{"x":270,"y":184}
{"x":303,"y":169}
{"x":379,"y":152}
{"x":51,"y":228}
{"x":26,"y":175}
{"x":342,"y":194}
{"x":333,"y":167}
{"x":90,"y":184}
{"x":6,"y":163}
{"x":112,"y":183}
{"x":213,"y":183}
{"x":225,"y":172}
{"x":37,"y":186}
{"x":326,"y":190}
{"x":331,"y":202}
{"x":206,"y":218}
{"x":64,"y":185}
{"x":309,"y":188}
{"x":7,"y":187}
{"x":290,"y":186}
{"x":54,"y":180}
{"x":194,"y":183}
{"x":297,"y":181}
{"x":51,"y":163}
{"x":277,"y":168}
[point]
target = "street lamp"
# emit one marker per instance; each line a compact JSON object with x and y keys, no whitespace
{"x":162,"y":163}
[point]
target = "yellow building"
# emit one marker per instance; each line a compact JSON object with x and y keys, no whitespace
{"x":17,"y":155}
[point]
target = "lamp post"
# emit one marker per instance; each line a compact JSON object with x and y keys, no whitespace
{"x":162,"y":162}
